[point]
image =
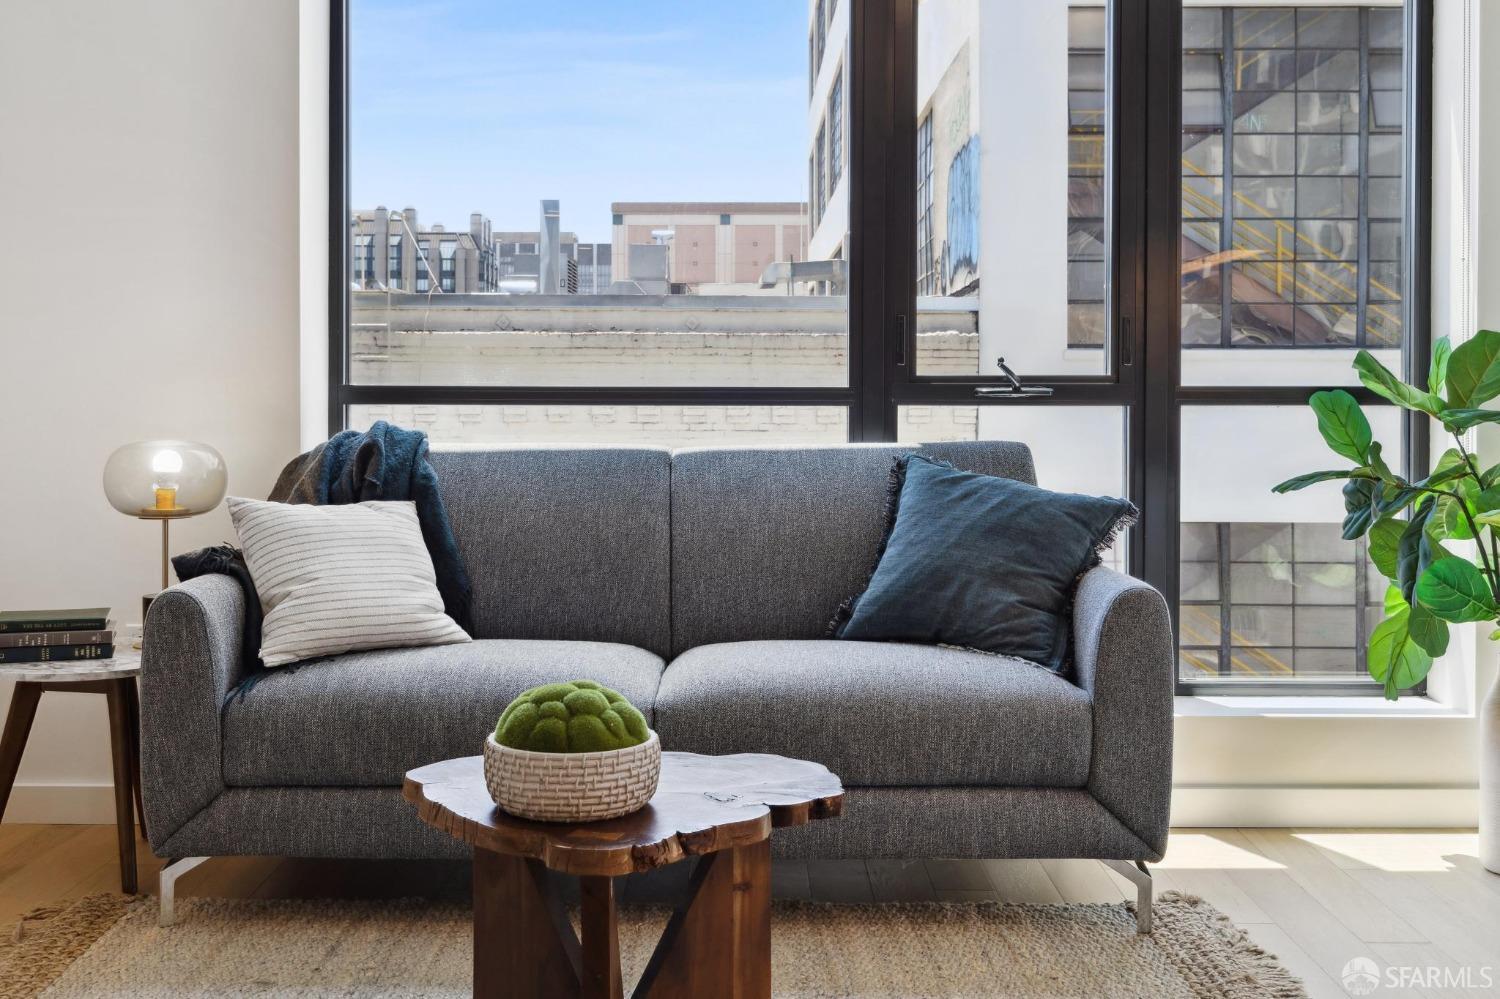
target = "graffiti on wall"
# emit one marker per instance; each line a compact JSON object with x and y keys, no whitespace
{"x":961,"y":255}
{"x":954,"y":180}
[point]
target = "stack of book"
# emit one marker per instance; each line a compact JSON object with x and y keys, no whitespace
{"x":55,"y":635}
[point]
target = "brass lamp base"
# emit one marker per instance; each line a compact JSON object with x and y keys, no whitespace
{"x":166,"y":517}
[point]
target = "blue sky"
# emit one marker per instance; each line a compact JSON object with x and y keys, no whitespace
{"x":492,"y":105}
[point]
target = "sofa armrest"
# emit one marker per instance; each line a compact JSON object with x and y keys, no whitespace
{"x":1125,"y":658}
{"x":190,"y":661}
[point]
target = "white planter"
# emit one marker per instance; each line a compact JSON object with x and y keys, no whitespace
{"x":1489,"y":779}
{"x":572,"y":787}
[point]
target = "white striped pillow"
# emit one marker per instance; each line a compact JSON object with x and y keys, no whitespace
{"x":340,"y":578}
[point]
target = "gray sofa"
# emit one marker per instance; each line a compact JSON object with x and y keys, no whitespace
{"x":699,"y":584}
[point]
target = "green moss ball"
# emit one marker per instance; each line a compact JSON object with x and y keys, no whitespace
{"x":577,"y":717}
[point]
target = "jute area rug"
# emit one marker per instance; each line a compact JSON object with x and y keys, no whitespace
{"x":108,"y":946}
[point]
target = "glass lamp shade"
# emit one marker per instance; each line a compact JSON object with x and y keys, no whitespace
{"x":162,"y":479}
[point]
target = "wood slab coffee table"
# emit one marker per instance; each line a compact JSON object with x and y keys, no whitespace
{"x":717,"y":943}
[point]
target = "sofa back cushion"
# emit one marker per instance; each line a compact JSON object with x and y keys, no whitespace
{"x":564,"y":543}
{"x":767,"y":543}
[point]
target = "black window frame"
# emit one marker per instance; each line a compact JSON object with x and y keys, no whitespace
{"x":1144,"y":311}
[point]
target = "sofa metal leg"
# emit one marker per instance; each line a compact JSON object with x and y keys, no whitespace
{"x":1140,"y":876}
{"x":167,"y":888}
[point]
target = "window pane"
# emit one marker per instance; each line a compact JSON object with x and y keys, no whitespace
{"x":1075,"y":448}
{"x":516,"y":256}
{"x":1294,"y":605}
{"x":1322,"y":27}
{"x":665,"y":426}
{"x":1316,"y":210}
{"x":1386,"y":29}
{"x":1327,"y":197}
{"x":1256,"y":28}
{"x":1277,"y":113}
{"x":1327,"y":112}
{"x":1263,"y":154}
{"x":1201,"y":28}
{"x":1012,"y":208}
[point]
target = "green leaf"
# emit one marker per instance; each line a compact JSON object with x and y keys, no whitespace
{"x":1378,"y":379}
{"x":1442,"y":474}
{"x":1491,"y":519}
{"x":1458,"y":420}
{"x":1313,"y":478}
{"x":1437,"y":371}
{"x":1474,"y":371}
{"x":1414,"y":551}
{"x":1450,"y":512}
{"x":1428,"y":630}
{"x":1360,"y":499}
{"x":1447,"y":462}
{"x":1377,"y":465}
{"x":1454,"y":590}
{"x":1342,"y":424}
{"x":1395,"y":659}
{"x":1385,"y":536}
{"x":1396,"y":499}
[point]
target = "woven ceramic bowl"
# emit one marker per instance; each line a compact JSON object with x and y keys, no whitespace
{"x":572,"y":787}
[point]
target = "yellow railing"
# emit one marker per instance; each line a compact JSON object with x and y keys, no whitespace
{"x":1340,"y":286}
{"x":1198,"y":626}
{"x":1272,"y":257}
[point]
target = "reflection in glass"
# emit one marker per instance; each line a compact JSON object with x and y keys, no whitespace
{"x":1269,"y":590}
{"x":1013,"y":227}
{"x":1313,"y":158}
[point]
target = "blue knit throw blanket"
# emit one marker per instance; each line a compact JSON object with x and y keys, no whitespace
{"x":384,"y":463}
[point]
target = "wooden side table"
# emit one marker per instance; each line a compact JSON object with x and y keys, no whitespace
{"x":115,"y":679}
{"x":717,"y":943}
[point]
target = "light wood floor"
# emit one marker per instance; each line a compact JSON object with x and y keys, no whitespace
{"x":1315,"y":898}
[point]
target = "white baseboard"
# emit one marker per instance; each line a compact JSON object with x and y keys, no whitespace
{"x":1325,"y":807}
{"x":63,"y":804}
{"x":1192,"y":806}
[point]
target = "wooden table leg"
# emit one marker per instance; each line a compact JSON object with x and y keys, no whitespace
{"x":133,"y":701}
{"x":120,"y":742}
{"x":601,"y":939}
{"x":718,"y":943}
{"x":524,"y":946}
{"x":23,"y":701}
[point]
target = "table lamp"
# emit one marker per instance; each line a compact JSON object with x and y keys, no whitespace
{"x":165,"y":481}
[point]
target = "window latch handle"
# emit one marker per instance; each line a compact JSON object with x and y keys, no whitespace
{"x":1013,"y":389}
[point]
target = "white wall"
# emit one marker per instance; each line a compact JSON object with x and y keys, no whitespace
{"x":148,"y":288}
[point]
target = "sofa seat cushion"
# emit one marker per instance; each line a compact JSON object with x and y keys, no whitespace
{"x":880,"y":714}
{"x":368,"y":717}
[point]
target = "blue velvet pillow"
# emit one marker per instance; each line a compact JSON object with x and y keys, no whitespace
{"x":981,"y":562}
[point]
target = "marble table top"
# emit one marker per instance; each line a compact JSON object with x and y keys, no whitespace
{"x":125,"y":663}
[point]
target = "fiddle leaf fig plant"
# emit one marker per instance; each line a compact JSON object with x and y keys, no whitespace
{"x":1410,"y":524}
